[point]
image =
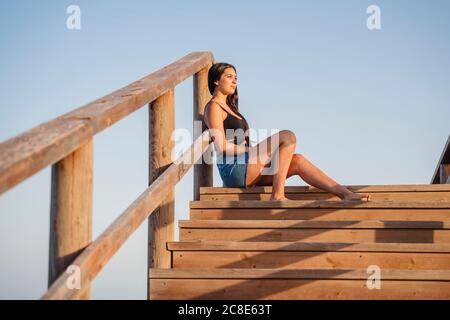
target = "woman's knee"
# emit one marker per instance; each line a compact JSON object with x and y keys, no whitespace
{"x":266,"y":148}
{"x":298,"y":157}
{"x":297,"y":160}
{"x":288,"y":137}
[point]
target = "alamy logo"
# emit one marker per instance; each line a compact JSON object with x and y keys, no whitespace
{"x":73,"y":282}
{"x":73,"y":22}
{"x":374,"y":20}
{"x":374,"y":280}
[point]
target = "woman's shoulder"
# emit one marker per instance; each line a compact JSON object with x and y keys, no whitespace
{"x":214,"y":103}
{"x":215,"y":106}
{"x":215,"y":111}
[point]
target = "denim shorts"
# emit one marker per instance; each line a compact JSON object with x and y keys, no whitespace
{"x":233,"y":170}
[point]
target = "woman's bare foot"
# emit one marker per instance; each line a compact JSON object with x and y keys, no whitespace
{"x":356,"y":196}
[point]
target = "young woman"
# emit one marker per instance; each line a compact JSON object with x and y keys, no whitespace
{"x":248,"y":166}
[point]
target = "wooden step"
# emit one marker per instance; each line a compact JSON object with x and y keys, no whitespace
{"x":320,"y":210}
{"x":308,"y":259}
{"x":313,"y":224}
{"x":324,"y":231}
{"x":319,"y":235}
{"x":378,"y":193}
{"x":397,"y":196}
{"x":320,"y":204}
{"x":214,"y":245}
{"x":297,"y":284}
{"x":343,"y":274}
{"x":355,"y":213}
{"x":310,"y":189}
{"x":375,"y":196}
{"x":295,"y":289}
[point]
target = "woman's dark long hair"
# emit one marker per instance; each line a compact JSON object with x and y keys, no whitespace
{"x":214,"y":74}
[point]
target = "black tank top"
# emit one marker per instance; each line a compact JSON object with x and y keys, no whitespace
{"x":233,"y":123}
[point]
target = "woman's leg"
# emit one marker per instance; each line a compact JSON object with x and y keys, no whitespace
{"x":277,"y":150}
{"x":317,"y":178}
{"x":314,"y":176}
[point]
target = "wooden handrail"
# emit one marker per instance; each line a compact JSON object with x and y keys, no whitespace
{"x":37,"y":148}
{"x":66,"y":143}
{"x":442,"y":171}
{"x":98,"y":253}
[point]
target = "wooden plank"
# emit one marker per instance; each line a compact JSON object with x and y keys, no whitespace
{"x":343,"y":274}
{"x":320,"y":214}
{"x":161,"y":221}
{"x":299,"y":259}
{"x":318,"y":204}
{"x":23,"y":156}
{"x":28,"y":153}
{"x":307,"y":246}
{"x":71,"y":211}
{"x":375,"y":196}
{"x":310,"y":189}
{"x":293,"y":289}
{"x":319,"y":235}
{"x":92,"y":260}
{"x":203,"y":172}
{"x":305,"y":224}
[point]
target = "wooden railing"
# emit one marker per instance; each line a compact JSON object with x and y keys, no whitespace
{"x":66,"y":143}
{"x":442,"y":172}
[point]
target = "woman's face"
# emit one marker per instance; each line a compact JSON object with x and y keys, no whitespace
{"x":228,"y":82}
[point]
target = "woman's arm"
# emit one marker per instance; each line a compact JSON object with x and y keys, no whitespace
{"x":214,"y":121}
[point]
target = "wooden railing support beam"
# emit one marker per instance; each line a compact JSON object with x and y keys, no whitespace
{"x":203,"y":172}
{"x":161,"y":222}
{"x":71,"y":211}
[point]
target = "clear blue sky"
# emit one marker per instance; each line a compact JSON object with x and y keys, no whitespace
{"x":368,"y":107}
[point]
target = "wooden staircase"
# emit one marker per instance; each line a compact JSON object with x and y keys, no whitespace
{"x":239,"y":245}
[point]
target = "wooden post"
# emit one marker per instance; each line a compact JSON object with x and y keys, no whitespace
{"x":161,"y":222}
{"x":444,"y":173}
{"x":203,"y":173}
{"x":71,"y":212}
